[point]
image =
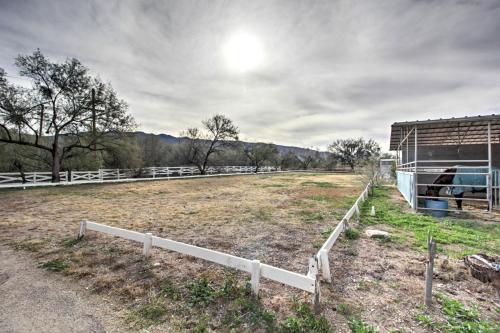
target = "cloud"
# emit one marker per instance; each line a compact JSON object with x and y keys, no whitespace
{"x":331,"y":69}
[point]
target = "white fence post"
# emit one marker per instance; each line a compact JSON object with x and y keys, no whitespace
{"x":325,"y":265}
{"x":255,"y":281}
{"x":83,"y":228}
{"x":313,"y":273}
{"x":117,"y":173}
{"x":148,"y":242}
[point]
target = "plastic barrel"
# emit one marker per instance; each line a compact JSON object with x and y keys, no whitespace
{"x":437,"y":204}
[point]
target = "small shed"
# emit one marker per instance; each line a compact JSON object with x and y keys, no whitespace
{"x":453,"y":159}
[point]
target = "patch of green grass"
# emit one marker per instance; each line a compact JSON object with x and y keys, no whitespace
{"x":70,"y":242}
{"x":56,"y":265}
{"x":318,"y":184}
{"x":151,"y":313}
{"x":327,"y":232}
{"x":425,"y":319}
{"x":201,"y":292}
{"x":262,"y":214}
{"x":310,"y":216}
{"x":458,"y":319}
{"x":351,"y":233}
{"x":169,"y":289}
{"x":317,"y":244}
{"x":359,"y":326}
{"x":273,"y":185}
{"x":305,"y":320}
{"x":321,"y":198}
{"x":30,"y":245}
{"x":455,"y":237}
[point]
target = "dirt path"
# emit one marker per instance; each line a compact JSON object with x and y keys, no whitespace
{"x":36,"y":301}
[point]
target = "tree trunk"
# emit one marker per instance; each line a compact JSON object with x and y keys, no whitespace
{"x":56,"y":161}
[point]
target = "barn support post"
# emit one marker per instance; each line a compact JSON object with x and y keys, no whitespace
{"x":415,"y":175}
{"x":255,"y":280}
{"x":489,"y":180}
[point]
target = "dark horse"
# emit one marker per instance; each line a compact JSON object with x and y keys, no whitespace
{"x":446,"y":178}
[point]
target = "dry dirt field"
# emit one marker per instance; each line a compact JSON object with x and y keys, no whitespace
{"x":278,"y":219}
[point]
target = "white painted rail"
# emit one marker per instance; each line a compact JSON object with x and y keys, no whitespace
{"x":34,"y":179}
{"x":254,"y":267}
{"x":322,"y":255}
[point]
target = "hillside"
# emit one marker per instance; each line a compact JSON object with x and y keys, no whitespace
{"x":170,"y":139}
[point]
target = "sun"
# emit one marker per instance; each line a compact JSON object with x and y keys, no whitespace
{"x":243,"y":52}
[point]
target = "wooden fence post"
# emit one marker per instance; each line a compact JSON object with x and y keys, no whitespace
{"x":83,"y":228}
{"x":255,"y":280}
{"x":325,"y":265}
{"x":313,"y":272}
{"x":148,"y":242}
{"x":431,"y":245}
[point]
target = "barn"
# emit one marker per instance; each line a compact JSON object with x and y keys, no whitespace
{"x":451,"y":161}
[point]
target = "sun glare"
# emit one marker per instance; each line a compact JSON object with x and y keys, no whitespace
{"x":243,"y":52}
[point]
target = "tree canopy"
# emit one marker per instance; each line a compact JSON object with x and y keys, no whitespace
{"x":65,"y":111}
{"x":354,"y":151}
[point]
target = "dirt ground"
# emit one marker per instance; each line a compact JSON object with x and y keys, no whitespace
{"x":37,"y":301}
{"x":278,"y":219}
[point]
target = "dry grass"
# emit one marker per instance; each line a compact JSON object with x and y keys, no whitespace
{"x":277,"y":219}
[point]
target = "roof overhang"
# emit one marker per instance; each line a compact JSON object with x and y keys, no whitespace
{"x":452,"y":131}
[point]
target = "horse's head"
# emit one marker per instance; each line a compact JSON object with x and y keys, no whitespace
{"x":432,"y":191}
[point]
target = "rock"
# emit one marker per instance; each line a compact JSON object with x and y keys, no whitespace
{"x":373,"y":233}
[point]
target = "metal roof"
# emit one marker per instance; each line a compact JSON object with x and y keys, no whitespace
{"x":452,"y":131}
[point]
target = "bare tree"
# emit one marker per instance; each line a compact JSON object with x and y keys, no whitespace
{"x":258,"y":153}
{"x":200,"y":144}
{"x":307,"y":157}
{"x":66,"y":110}
{"x":354,"y":151}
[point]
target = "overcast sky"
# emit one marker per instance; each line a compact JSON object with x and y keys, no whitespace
{"x":328,"y":70}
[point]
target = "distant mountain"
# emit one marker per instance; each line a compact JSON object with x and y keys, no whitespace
{"x":170,"y":139}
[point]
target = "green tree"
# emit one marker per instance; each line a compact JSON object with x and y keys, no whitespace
{"x":352,"y":152}
{"x":65,"y":111}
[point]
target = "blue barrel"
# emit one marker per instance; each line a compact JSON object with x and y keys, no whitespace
{"x":437,"y":204}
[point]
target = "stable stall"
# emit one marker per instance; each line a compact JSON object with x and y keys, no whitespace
{"x":448,"y":164}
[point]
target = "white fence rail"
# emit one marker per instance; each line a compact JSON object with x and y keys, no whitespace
{"x":8,"y":178}
{"x":14,"y":179}
{"x":308,"y":283}
{"x":254,"y":267}
{"x":322,"y":256}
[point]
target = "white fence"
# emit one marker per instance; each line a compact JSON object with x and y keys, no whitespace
{"x":309,"y":282}
{"x":29,"y":178}
{"x":321,"y":257}
{"x":120,"y":175}
{"x":254,"y":267}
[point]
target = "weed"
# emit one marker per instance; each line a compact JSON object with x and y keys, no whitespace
{"x":352,"y":234}
{"x":151,"y":313}
{"x":310,"y":217}
{"x":168,"y":289}
{"x":458,"y":319}
{"x":317,"y":244}
{"x":56,"y":265}
{"x":359,"y":326}
{"x":29,"y":245}
{"x":425,"y":319}
{"x":201,"y":325}
{"x":70,"y":242}
{"x":305,"y":321}
{"x":201,"y":292}
{"x":327,"y":232}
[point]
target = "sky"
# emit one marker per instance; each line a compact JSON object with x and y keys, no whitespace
{"x":315,"y":71}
